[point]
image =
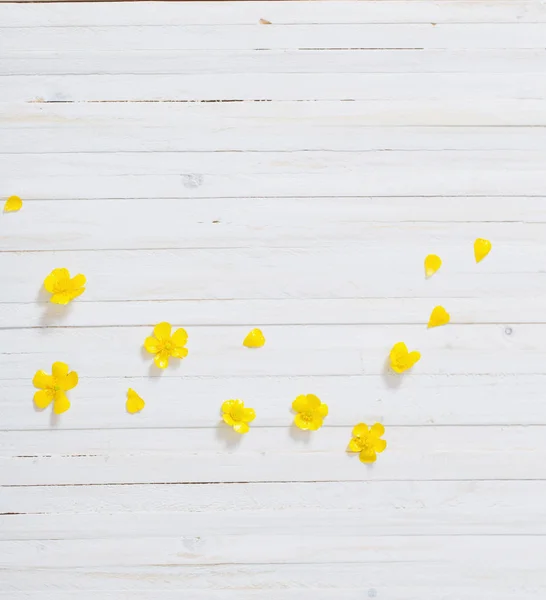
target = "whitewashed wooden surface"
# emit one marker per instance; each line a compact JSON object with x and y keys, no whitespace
{"x":203,"y":168}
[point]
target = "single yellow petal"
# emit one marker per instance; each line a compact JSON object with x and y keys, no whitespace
{"x":368,"y":456}
{"x":43,"y":398}
{"x":323,"y":410}
{"x":248,"y":415}
{"x":59,"y":370}
{"x":134,"y":402}
{"x":241,"y":427}
{"x":62,"y":298}
{"x":179,"y":352}
{"x":69,"y":382}
{"x":61,"y":403}
{"x":13,"y":204}
{"x":42,"y":380}
{"x":401,"y":360}
{"x":377,"y":430}
{"x":152,"y":345}
{"x":438,"y":316}
{"x":481,"y":249}
{"x":360,"y":430}
{"x":355,"y":445}
{"x":379,"y":445}
{"x":413,"y":357}
{"x":432,"y":264}
{"x":254,"y":339}
{"x":301,"y":404}
{"x":314,"y":401}
{"x":162,"y":332}
{"x":161,"y":359}
{"x":57,"y":281}
{"x":227,"y":406}
{"x":180,"y":338}
{"x":74,"y":293}
{"x":227,"y":419}
{"x":77,"y":282}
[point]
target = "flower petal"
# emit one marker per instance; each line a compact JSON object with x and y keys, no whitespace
{"x":301,"y":404}
{"x":249,"y":415}
{"x":179,"y":352}
{"x":432,"y":264}
{"x":227,"y":406}
{"x":228,"y":419}
{"x":355,"y":445}
{"x":315,"y":423}
{"x":70,"y":381}
{"x":241,"y":427}
{"x":413,"y":357}
{"x":368,"y":456}
{"x":75,"y":293}
{"x":323,"y":410}
{"x":152,"y":345}
{"x":57,"y":280}
{"x":61,"y":403}
{"x":13,"y":204}
{"x":360,"y":430}
{"x":77,"y":282}
{"x":43,"y":398}
{"x":180,"y":338}
{"x":438,"y":316}
{"x":313,"y":401}
{"x":134,"y":402}
{"x":377,"y":430}
{"x":300,"y":422}
{"x":254,"y":339}
{"x":59,"y":370}
{"x":379,"y":445}
{"x":481,"y":249}
{"x":62,"y":298}
{"x":162,"y":332}
{"x":161,"y":359}
{"x":42,"y":380}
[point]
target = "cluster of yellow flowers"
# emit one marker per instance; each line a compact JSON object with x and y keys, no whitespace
{"x":165,"y":344}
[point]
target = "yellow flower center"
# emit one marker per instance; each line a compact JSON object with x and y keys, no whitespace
{"x":307,"y":417}
{"x":166,"y":346}
{"x":236,"y":413}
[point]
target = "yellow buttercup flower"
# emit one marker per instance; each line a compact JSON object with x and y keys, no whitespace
{"x":254,"y":339}
{"x":237,"y":416}
{"x":311,"y":412}
{"x":432,"y":264}
{"x":401,"y":359}
{"x":63,"y":287}
{"x":13,"y":204}
{"x":164,"y":345}
{"x":438,"y":316}
{"x":53,"y":387}
{"x":367,"y":441}
{"x":134,"y":402}
{"x":481,"y":249}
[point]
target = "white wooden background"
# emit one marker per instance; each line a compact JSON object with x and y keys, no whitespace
{"x":202,"y":168}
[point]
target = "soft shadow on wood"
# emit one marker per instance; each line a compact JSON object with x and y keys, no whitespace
{"x":392,"y":379}
{"x":298,"y":435}
{"x":54,"y":314}
{"x":228,"y":437}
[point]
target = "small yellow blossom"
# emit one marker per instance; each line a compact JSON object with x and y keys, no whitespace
{"x":164,"y":345}
{"x":311,"y":412}
{"x":255,"y":339}
{"x":432,"y":264}
{"x":13,"y":204}
{"x":438,"y":316}
{"x":53,"y":387}
{"x":134,"y":402}
{"x":401,"y":359}
{"x":63,"y":287}
{"x":237,"y":416}
{"x":481,"y":249}
{"x":367,"y":441}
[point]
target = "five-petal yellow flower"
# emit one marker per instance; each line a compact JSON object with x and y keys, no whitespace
{"x":63,"y":287}
{"x":237,"y":416}
{"x":367,"y":441}
{"x":164,"y":345}
{"x":53,"y":387}
{"x":311,"y":412}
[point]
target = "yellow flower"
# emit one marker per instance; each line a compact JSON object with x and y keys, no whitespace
{"x":13,"y":204}
{"x":367,"y":441}
{"x":64,"y":288}
{"x":164,"y":345}
{"x":237,"y":416}
{"x":254,"y":339}
{"x":432,"y":264}
{"x":311,"y":412}
{"x":53,"y":387}
{"x":481,"y":249}
{"x":134,"y":402}
{"x":401,"y":359}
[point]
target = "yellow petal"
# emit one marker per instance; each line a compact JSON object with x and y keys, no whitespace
{"x":368,"y":456}
{"x":249,"y":415}
{"x":152,"y":345}
{"x":59,"y":370}
{"x":481,"y":249}
{"x":179,"y":352}
{"x":241,"y":427}
{"x":301,"y":423}
{"x":301,"y":403}
{"x":401,"y":360}
{"x":255,"y":339}
{"x":438,"y":316}
{"x":180,"y":337}
{"x":57,"y":281}
{"x":413,"y":357}
{"x":134,"y":402}
{"x":61,"y":403}
{"x":13,"y":204}
{"x":77,"y":282}
{"x":432,"y":264}
{"x":315,"y":423}
{"x":227,"y":406}
{"x":360,"y":430}
{"x":161,"y":360}
{"x":379,"y":445}
{"x":323,"y":410}
{"x":162,"y":332}
{"x":355,"y":445}
{"x":314,"y":401}
{"x":62,"y":298}
{"x":43,"y":398}
{"x":42,"y":380}
{"x":69,"y":382}
{"x":377,"y":430}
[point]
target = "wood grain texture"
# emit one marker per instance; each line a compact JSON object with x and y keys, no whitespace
{"x":203,"y":168}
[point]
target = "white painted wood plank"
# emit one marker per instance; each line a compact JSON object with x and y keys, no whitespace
{"x":267,"y":454}
{"x":378,"y":60}
{"x":249,"y":13}
{"x":441,"y":400}
{"x":254,"y":37}
{"x":479,"y":87}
